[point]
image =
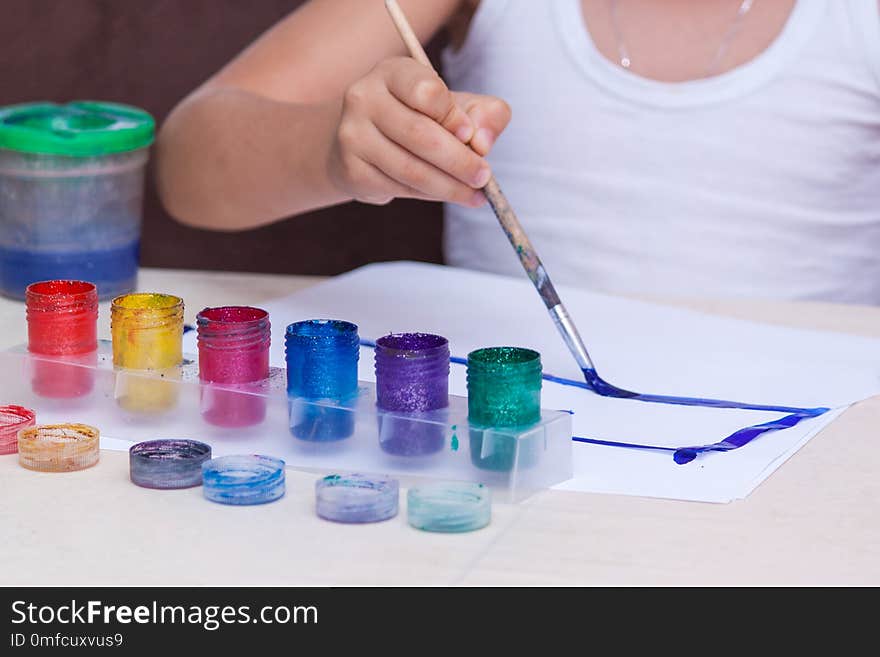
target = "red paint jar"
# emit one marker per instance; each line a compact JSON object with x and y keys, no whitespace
{"x":234,"y":355}
{"x":62,"y":319}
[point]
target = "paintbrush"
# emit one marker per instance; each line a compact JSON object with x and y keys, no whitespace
{"x":511,"y":226}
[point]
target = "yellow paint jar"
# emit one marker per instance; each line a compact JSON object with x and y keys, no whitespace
{"x":147,"y":333}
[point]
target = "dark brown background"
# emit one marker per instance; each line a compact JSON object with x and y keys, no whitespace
{"x":151,"y":53}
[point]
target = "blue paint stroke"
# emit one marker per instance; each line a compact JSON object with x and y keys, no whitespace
{"x":681,"y":455}
{"x":612,"y":443}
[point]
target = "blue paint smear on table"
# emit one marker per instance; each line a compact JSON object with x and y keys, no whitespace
{"x":681,"y":455}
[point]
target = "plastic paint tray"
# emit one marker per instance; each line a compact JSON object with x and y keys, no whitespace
{"x":515,"y":462}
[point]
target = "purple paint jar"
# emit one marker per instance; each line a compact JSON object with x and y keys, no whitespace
{"x":412,"y":381}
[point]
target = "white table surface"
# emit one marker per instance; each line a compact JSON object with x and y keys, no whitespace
{"x":816,"y":521}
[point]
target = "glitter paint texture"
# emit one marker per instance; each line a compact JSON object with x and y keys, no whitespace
{"x":322,"y":357}
{"x":356,"y":498}
{"x":62,"y":321}
{"x":449,"y":507}
{"x":147,"y":333}
{"x":504,"y":391}
{"x":412,"y":372}
{"x":243,"y":480}
{"x":504,"y":387}
{"x":62,"y":317}
{"x":12,"y":420}
{"x":412,"y":379}
{"x":58,"y":447}
{"x":233,"y":344}
{"x":167,"y":463}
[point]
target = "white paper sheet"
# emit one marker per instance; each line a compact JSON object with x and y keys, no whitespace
{"x":635,"y":345}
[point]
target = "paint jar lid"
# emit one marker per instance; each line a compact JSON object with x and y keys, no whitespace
{"x":168,"y":463}
{"x":449,"y":507}
{"x":58,"y":447}
{"x":78,"y":129}
{"x":245,"y":479}
{"x":356,"y":498}
{"x":12,"y":420}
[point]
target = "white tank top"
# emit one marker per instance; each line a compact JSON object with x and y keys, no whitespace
{"x":761,"y":182}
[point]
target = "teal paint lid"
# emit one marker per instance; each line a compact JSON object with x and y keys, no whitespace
{"x":77,"y":129}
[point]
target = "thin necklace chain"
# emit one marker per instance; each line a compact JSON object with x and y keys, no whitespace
{"x":626,"y":61}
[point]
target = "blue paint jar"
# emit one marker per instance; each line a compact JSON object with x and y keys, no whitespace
{"x":71,"y":194}
{"x":322,"y":357}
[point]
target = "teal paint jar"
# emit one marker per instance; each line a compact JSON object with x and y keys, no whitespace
{"x":71,"y":194}
{"x":504,"y":397}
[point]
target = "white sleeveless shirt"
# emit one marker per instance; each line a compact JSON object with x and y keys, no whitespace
{"x":760,"y":182}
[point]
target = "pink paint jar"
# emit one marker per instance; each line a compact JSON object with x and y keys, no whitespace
{"x":233,"y":358}
{"x":62,"y":319}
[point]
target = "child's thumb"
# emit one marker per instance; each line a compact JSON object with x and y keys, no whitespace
{"x":459,"y":123}
{"x":490,"y":116}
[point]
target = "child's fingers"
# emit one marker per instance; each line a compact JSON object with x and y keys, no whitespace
{"x":422,"y":89}
{"x":425,"y":139}
{"x":385,"y":189}
{"x":490,"y":116}
{"x":416,"y":174}
{"x":364,"y":180}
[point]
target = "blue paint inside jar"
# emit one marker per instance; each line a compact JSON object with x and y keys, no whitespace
{"x":322,"y":357}
{"x":113,"y":271}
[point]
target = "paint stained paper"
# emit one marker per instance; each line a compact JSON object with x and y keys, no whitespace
{"x":636,"y":345}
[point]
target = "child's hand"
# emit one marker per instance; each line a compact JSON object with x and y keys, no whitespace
{"x":402,"y":133}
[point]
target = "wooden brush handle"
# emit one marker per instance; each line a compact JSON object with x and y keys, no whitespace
{"x":503,"y":211}
{"x":521,"y":243}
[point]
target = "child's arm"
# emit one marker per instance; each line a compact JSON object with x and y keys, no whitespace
{"x":322,"y":109}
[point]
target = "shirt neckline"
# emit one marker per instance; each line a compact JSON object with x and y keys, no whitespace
{"x":804,"y":18}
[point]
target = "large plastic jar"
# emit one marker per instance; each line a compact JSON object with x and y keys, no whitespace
{"x":71,"y":194}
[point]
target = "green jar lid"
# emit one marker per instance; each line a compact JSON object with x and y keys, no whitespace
{"x":78,"y":129}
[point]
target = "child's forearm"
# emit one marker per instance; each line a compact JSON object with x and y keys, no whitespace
{"x":232,"y":160}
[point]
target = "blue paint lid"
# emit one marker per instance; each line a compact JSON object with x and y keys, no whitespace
{"x":243,"y":479}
